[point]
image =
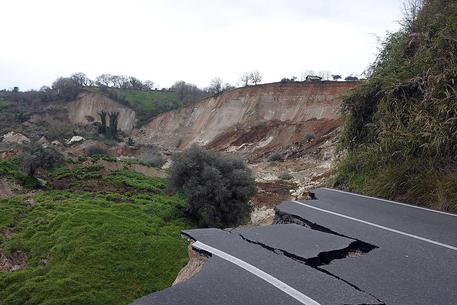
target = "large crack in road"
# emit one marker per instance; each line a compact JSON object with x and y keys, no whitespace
{"x":355,"y":248}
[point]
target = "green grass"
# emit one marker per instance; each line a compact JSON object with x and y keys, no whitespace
{"x":9,"y":167}
{"x":97,"y":247}
{"x":3,"y":104}
{"x":148,"y":100}
{"x":80,"y":172}
{"x":12,"y":169}
{"x":400,"y":132}
{"x":100,"y":248}
{"x":146,"y":104}
{"x":136,"y":180}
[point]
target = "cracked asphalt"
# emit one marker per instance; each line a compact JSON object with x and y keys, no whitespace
{"x":338,"y":249}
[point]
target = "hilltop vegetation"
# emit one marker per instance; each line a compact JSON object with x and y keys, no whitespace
{"x":150,"y":103}
{"x":401,"y":124}
{"x":142,"y":96}
{"x":93,"y":236}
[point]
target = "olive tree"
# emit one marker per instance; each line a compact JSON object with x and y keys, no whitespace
{"x":217,"y":187}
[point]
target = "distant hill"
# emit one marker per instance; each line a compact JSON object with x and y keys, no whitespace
{"x":146,"y":104}
{"x":255,"y":119}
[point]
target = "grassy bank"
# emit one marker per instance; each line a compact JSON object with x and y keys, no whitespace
{"x":109,"y":245}
{"x":401,"y":124}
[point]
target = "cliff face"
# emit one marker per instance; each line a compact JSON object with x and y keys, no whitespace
{"x":257,"y":118}
{"x":90,"y":104}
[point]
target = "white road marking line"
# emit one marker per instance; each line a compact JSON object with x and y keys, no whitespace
{"x":378,"y":226}
{"x":390,"y":201}
{"x":257,"y":272}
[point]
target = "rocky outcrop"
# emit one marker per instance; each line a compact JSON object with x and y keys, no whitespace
{"x":258,"y":118}
{"x":86,"y":107}
{"x":15,"y":138}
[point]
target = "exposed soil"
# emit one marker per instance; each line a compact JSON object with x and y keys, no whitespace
{"x":262,"y":216}
{"x":7,"y":232}
{"x":5,"y":189}
{"x":194,"y":266}
{"x":269,"y":194}
{"x":143,"y":169}
{"x":12,"y":263}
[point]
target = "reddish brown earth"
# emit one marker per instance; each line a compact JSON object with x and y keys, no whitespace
{"x":254,"y":119}
{"x":300,"y":121}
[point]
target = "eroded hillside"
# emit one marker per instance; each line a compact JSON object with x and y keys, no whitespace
{"x":255,"y":119}
{"x":286,"y":132}
{"x":86,"y":107}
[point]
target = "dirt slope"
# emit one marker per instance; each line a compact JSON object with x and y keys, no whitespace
{"x":88,"y":104}
{"x":255,"y":119}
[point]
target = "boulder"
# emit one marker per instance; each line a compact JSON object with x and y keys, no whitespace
{"x":15,"y":138}
{"x":75,"y":139}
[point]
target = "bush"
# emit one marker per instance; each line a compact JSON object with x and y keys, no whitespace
{"x":217,"y":187}
{"x":275,"y":156}
{"x":39,"y":157}
{"x":152,"y":156}
{"x":310,"y":136}
{"x":285,"y":176}
{"x":95,"y":151}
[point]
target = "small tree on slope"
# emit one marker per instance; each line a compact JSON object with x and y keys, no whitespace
{"x":217,"y":187}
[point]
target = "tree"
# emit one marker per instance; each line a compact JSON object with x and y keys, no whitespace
{"x":66,"y":88}
{"x":116,"y":80}
{"x":245,"y":78}
{"x":38,"y":157}
{"x":113,"y":121}
{"x":187,"y":93}
{"x":102,"y":128}
{"x":410,"y":11}
{"x":325,"y":74}
{"x":135,"y":83}
{"x":148,"y":85}
{"x":81,"y":79}
{"x":228,"y":86}
{"x":217,"y":187}
{"x":351,"y":78}
{"x":336,"y":77}
{"x":215,"y":86}
{"x":104,"y":80}
{"x":255,"y":77}
{"x":306,"y":73}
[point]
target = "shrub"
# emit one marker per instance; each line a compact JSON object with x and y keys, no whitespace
{"x":38,"y":157}
{"x":275,"y":156}
{"x":285,"y":176}
{"x":95,"y":151}
{"x":310,"y":136}
{"x":152,"y":156}
{"x":217,"y":187}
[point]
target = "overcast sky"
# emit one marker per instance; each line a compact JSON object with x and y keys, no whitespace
{"x":196,"y":40}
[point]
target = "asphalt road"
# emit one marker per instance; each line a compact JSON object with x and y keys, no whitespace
{"x":338,"y":249}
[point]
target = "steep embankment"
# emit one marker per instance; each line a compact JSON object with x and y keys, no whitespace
{"x":255,"y":119}
{"x":87,"y":106}
{"x":401,"y":127}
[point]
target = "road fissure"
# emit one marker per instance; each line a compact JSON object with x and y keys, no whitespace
{"x":378,"y":226}
{"x":297,"y":295}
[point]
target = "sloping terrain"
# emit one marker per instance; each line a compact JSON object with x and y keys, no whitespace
{"x":99,"y":233}
{"x":286,"y":131}
{"x":401,"y":131}
{"x":87,"y":106}
{"x":258,"y":119}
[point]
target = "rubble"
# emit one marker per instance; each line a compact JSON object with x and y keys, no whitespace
{"x":15,"y":138}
